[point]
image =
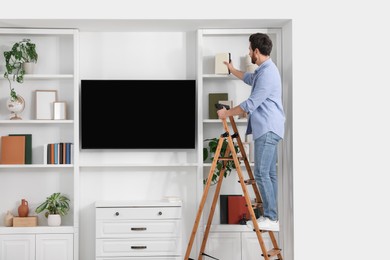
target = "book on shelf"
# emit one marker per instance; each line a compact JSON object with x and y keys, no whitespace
{"x":220,"y":66}
{"x":223,"y":207}
{"x":214,"y":98}
{"x":27,"y":147}
{"x":58,"y":153}
{"x":13,"y":149}
{"x":237,"y":210}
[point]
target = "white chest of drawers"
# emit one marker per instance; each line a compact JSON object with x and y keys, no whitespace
{"x":128,"y":230}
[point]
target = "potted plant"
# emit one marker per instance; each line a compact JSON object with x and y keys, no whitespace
{"x":209,"y":153}
{"x":57,"y":205}
{"x":22,"y":52}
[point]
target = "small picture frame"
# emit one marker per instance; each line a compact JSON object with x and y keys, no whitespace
{"x":59,"y":110}
{"x":44,"y":100}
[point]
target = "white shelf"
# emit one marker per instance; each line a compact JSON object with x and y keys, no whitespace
{"x":13,"y":31}
{"x":36,"y":121}
{"x":229,"y":32}
{"x":36,"y":230}
{"x":213,"y":121}
{"x":216,"y":76}
{"x":57,"y":71}
{"x":94,"y":165}
{"x":243,"y":165}
{"x":43,"y":76}
{"x":27,"y":166}
{"x":230,"y":228}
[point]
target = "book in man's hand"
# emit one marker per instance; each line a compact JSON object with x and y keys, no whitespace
{"x":220,"y":67}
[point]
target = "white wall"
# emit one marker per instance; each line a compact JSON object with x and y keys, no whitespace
{"x":154,"y":55}
{"x":340,"y":109}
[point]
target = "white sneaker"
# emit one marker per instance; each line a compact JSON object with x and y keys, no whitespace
{"x":265,"y":224}
{"x":249,"y":223}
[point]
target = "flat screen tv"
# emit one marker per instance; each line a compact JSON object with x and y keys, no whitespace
{"x":138,"y":114}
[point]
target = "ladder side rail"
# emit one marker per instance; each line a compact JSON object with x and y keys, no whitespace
{"x":275,"y":245}
{"x":202,"y":202}
{"x":215,"y":199}
{"x":258,"y":199}
{"x":247,"y":197}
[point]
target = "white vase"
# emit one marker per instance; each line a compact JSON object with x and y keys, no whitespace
{"x":28,"y":67}
{"x":54,"y":220}
{"x":8,"y":219}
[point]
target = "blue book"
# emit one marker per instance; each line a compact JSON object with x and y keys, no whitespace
{"x":68,"y":153}
{"x":56,"y":153}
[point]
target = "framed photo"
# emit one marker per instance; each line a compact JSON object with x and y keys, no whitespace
{"x":59,"y":110}
{"x":44,"y":103}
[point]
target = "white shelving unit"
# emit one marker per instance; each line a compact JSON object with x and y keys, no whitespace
{"x":117,"y":174}
{"x":210,"y":42}
{"x":56,"y":69}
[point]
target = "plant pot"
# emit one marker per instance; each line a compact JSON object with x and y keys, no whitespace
{"x":54,"y":220}
{"x":28,"y":67}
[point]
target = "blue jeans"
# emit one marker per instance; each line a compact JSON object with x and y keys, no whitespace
{"x":266,"y":152}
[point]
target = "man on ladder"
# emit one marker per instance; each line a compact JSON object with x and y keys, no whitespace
{"x":265,"y":123}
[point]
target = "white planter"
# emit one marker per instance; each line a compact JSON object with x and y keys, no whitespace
{"x":28,"y":67}
{"x":54,"y":220}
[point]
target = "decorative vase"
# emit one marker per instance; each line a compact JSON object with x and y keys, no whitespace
{"x":16,"y":107}
{"x":54,"y":220}
{"x":23,"y":208}
{"x":8,"y":219}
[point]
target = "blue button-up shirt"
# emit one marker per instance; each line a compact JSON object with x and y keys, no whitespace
{"x":264,"y":104}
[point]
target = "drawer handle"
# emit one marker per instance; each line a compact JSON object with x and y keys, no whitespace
{"x":159,"y":213}
{"x":116,"y":213}
{"x":138,"y":228}
{"x":138,"y":247}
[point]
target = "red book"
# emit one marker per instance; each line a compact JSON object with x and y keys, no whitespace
{"x":237,"y":209}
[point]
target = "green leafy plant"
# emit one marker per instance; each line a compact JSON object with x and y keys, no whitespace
{"x":54,"y":204}
{"x":209,"y":153}
{"x":21,"y":52}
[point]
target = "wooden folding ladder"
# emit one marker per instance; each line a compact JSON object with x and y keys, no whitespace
{"x":230,"y":154}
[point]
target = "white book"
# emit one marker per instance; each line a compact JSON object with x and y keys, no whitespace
{"x":45,"y":154}
{"x":220,"y":67}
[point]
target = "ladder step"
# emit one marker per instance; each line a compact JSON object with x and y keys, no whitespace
{"x":249,"y":181}
{"x":273,"y":252}
{"x":257,"y":205}
{"x":229,"y":158}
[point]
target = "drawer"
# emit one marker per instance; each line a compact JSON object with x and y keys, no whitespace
{"x":137,"y":228}
{"x":138,"y":213}
{"x":138,"y":247}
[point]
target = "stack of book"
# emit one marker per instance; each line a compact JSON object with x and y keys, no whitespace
{"x":58,"y":153}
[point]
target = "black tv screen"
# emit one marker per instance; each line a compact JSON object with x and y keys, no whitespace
{"x":138,"y":114}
